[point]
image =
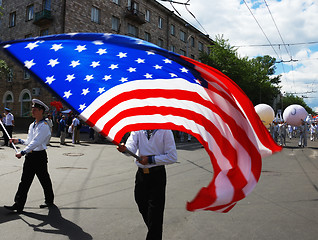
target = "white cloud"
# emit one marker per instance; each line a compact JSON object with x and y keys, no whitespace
{"x":295,"y":19}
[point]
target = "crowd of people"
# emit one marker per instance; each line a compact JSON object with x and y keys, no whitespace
{"x":280,"y":130}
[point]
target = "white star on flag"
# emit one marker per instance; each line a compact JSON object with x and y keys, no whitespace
{"x":67,"y":94}
{"x":88,"y":78}
{"x":82,"y":107}
{"x":121,"y":55}
{"x":31,"y":46}
{"x":123,"y":80}
{"x":85,"y":91}
{"x":173,"y":75}
{"x":131,"y":69}
{"x":113,"y":66}
{"x":139,"y":60}
{"x":107,"y":77}
{"x":69,"y":77}
{"x":101,"y":90}
{"x":49,"y":80}
{"x":56,"y":47}
{"x":101,"y":51}
{"x":157,"y":67}
{"x":184,"y":70}
{"x":29,"y":64}
{"x":150,"y":53}
{"x":147,"y":75}
{"x":75,"y":63}
{"x":53,"y":62}
{"x":167,"y":60}
{"x":98,"y":42}
{"x":95,"y":64}
{"x":80,"y":48}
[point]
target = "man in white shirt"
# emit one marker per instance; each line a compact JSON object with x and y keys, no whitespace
{"x":35,"y":159}
{"x":156,"y":148}
{"x":9,"y":123}
{"x":76,"y":130}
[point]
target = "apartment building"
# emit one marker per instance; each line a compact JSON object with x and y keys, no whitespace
{"x":144,"y":19}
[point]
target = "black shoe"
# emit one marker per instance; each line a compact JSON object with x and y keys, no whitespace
{"x":14,"y":207}
{"x":46,"y":205}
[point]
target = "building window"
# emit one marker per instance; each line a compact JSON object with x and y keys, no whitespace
{"x":30,"y":12}
{"x":44,"y":32}
{"x":182,"y":52}
{"x":192,"y":56}
{"x":160,"y":24}
{"x":10,"y":75}
{"x":26,"y":74}
{"x":182,"y":36}
{"x":133,"y":6}
{"x":160,"y":42}
{"x":192,"y":41}
{"x":200,"y":46}
{"x":147,"y":37}
{"x":147,"y":16}
{"x":47,"y":4}
{"x":0,"y":3}
{"x":8,"y":99}
{"x":25,"y":99}
{"x":172,"y":30}
{"x":132,"y":30}
{"x":172,"y":48}
{"x":116,"y":1}
{"x":12,"y":20}
{"x":115,"y":23}
{"x":95,"y":15}
{"x":28,"y":35}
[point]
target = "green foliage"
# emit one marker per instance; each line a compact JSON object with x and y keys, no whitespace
{"x":4,"y":69}
{"x":253,"y":76}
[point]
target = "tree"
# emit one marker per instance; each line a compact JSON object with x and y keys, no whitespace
{"x":4,"y":69}
{"x":254,"y":76}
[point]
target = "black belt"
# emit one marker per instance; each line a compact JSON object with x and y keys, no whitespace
{"x":151,"y":170}
{"x":36,"y":152}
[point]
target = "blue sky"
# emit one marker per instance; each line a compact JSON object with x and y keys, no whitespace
{"x":293,"y":22}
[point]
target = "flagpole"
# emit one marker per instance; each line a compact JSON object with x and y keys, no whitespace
{"x":132,"y":154}
{"x":5,"y":130}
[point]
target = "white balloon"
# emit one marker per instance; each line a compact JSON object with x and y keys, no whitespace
{"x":265,"y":113}
{"x":295,"y":114}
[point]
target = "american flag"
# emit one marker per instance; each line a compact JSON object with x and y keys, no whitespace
{"x":119,"y":84}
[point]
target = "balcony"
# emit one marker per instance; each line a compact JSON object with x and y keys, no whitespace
{"x":43,"y":17}
{"x":135,"y":15}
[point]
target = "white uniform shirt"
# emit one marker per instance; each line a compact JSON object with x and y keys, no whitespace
{"x":161,"y":144}
{"x":75,"y":122}
{"x":38,"y":137}
{"x":9,"y":119}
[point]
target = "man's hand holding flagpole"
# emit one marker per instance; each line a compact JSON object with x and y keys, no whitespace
{"x":5,"y":130}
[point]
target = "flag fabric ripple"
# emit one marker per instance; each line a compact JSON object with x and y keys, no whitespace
{"x":119,"y":84}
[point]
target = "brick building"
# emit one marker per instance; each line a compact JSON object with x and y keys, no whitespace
{"x":145,"y":19}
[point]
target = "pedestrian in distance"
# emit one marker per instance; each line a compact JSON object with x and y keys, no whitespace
{"x":156,"y":149}
{"x":9,"y":124}
{"x":76,"y":130}
{"x":35,"y":162}
{"x":62,"y":126}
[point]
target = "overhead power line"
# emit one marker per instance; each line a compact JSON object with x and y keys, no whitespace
{"x":175,"y":2}
{"x":261,"y":28}
{"x":277,"y":29}
{"x":277,"y":44}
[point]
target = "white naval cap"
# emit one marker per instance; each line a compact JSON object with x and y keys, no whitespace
{"x":39,"y":104}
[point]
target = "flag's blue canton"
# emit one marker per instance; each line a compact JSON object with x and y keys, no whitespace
{"x":82,"y":71}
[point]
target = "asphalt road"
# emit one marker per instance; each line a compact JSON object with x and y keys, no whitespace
{"x":93,"y":185}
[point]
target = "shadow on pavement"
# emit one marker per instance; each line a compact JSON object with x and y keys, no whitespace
{"x":61,"y":225}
